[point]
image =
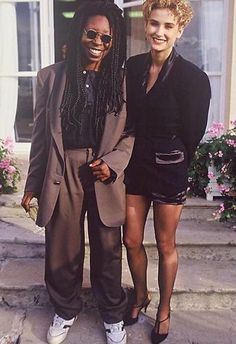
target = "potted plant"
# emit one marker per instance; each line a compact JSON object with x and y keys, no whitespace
{"x":213,"y":170}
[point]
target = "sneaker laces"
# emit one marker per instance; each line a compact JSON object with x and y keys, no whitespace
{"x":116,"y":327}
{"x":58,"y":321}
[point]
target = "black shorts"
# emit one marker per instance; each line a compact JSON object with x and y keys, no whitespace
{"x":158,"y":170}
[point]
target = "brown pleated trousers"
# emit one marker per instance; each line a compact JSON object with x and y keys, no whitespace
{"x":65,"y":246}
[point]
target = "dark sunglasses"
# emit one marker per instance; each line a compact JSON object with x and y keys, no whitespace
{"x":92,"y":34}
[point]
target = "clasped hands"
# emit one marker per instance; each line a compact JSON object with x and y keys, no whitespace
{"x":100,"y":170}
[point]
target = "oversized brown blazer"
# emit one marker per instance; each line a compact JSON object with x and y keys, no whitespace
{"x":46,"y":168}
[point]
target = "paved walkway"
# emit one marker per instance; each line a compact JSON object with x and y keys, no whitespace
{"x":186,"y":327}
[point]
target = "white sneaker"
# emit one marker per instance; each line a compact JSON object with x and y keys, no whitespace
{"x":116,"y":334}
{"x":58,"y":330}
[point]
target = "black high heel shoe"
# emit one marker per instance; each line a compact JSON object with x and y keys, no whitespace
{"x":128,"y":320}
{"x":157,"y":337}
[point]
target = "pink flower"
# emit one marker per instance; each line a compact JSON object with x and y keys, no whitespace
{"x":231,"y":142}
{"x":216,"y":129}
{"x":216,"y":215}
{"x":208,"y":189}
{"x":219,"y":154}
{"x":11,"y":169}
{"x":8,"y":143}
{"x":222,"y":208}
{"x":9,"y":174}
{"x":224,"y":169}
{"x":211,"y":175}
{"x":4,"y":164}
{"x":223,"y":188}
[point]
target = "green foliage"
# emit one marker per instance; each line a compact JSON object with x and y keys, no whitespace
{"x":216,"y":159}
{"x":9,"y":172}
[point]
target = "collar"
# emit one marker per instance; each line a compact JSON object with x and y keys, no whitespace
{"x":166,"y":68}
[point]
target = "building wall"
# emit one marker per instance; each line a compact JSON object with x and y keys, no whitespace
{"x":232,"y":79}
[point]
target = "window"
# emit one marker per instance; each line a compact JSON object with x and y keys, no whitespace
{"x":63,"y":14}
{"x":25,"y":47}
{"x":136,"y":43}
{"x":29,"y":59}
{"x":28,"y":36}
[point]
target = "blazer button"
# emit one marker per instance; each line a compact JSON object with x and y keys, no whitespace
{"x":56,"y":182}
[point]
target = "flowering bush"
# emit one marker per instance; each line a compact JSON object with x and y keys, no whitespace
{"x":216,"y":159}
{"x":9,"y":172}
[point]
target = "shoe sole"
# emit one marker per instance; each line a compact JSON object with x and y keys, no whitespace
{"x":122,"y":341}
{"x":55,"y":339}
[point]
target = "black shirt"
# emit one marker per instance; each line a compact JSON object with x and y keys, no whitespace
{"x":83,"y":135}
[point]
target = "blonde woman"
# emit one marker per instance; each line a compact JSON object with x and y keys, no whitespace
{"x":168,"y":99}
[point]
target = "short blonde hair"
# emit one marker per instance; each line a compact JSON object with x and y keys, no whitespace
{"x":181,"y":9}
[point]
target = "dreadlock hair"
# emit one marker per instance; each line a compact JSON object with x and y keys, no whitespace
{"x":109,"y":97}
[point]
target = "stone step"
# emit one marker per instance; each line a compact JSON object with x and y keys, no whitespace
{"x":19,"y":237}
{"x":195,"y":208}
{"x":200,"y":284}
{"x":187,"y":327}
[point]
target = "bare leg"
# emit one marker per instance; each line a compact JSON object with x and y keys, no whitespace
{"x":166,"y":219}
{"x":137,"y":210}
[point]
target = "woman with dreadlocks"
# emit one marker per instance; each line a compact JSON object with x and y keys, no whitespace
{"x":81,"y":145}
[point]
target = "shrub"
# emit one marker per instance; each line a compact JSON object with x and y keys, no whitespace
{"x":9,"y":172}
{"x":219,"y":152}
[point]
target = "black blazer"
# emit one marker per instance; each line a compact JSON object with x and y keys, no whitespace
{"x":177,"y":104}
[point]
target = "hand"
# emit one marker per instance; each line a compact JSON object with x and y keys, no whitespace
{"x":26,"y":199}
{"x":100,"y":170}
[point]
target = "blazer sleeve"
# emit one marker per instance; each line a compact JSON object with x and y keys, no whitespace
{"x":38,"y":156}
{"x":194,"y":114}
{"x":118,"y":159}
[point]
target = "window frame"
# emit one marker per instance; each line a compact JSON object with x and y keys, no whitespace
{"x":46,"y":16}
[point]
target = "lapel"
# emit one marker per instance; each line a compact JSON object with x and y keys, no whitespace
{"x":113,"y":128}
{"x":54,"y":108}
{"x":109,"y":130}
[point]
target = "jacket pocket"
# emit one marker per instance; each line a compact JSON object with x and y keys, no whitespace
{"x":174,"y":157}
